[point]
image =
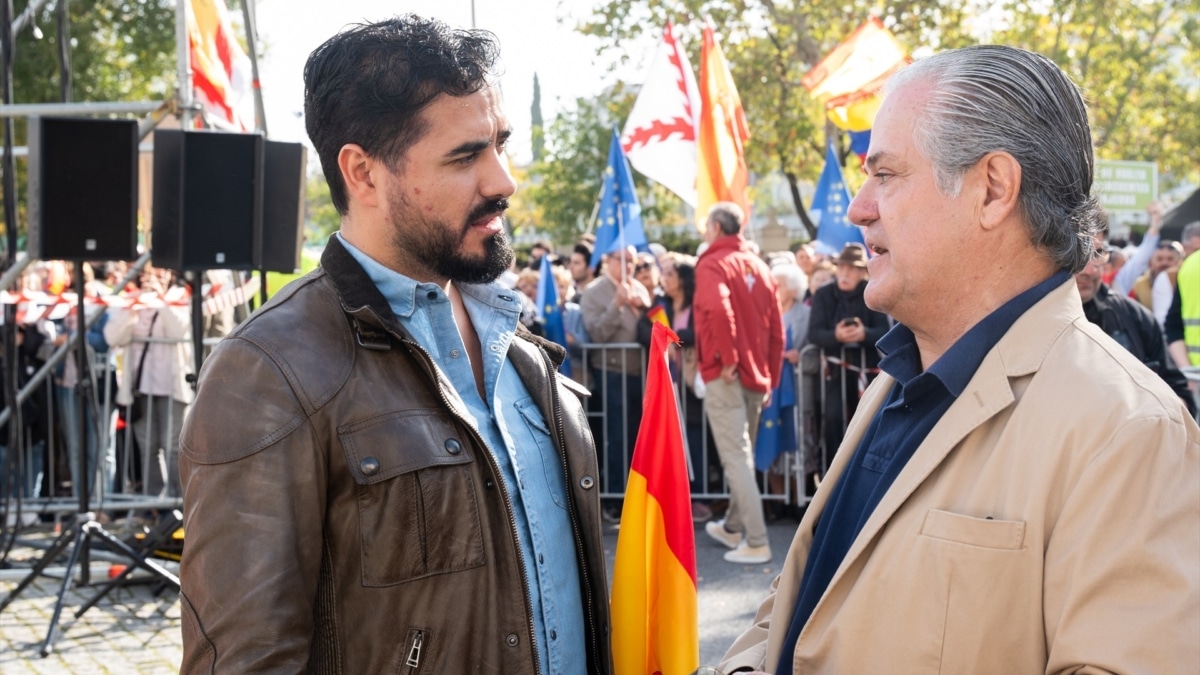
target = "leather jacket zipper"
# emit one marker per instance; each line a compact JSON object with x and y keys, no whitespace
{"x":512,"y":519}
{"x":561,"y":438}
{"x":412,"y":660}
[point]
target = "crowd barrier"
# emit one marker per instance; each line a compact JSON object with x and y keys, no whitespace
{"x":125,"y":467}
{"x":615,"y":374}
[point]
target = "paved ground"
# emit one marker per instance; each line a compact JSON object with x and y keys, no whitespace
{"x":133,"y":631}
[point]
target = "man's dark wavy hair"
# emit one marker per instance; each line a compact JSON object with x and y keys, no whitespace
{"x":369,"y":83}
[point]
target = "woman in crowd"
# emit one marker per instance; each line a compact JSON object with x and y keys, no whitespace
{"x":674,"y":309}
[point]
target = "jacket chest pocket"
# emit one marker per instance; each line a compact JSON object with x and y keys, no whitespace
{"x":414,"y":484}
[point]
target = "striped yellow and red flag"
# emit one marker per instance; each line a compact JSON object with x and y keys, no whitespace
{"x":220,"y":67}
{"x":721,"y":175}
{"x":654,"y":617}
{"x":658,"y":315}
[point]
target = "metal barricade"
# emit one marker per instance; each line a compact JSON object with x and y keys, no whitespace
{"x":614,"y":412}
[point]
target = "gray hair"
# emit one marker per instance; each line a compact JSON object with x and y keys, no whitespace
{"x":790,"y":275}
{"x":1190,"y":230}
{"x":991,"y":98}
{"x":728,"y":216}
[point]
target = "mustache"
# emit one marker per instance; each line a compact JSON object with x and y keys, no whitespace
{"x":495,"y":207}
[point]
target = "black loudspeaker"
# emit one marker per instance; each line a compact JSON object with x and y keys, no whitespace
{"x":283,"y":206}
{"x":207,"y":211}
{"x":83,"y":188}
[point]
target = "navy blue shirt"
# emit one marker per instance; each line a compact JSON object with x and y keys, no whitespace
{"x":916,"y":402}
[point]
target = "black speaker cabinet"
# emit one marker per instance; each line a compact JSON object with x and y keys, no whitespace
{"x":83,"y":188}
{"x":283,"y":206}
{"x":207,"y":211}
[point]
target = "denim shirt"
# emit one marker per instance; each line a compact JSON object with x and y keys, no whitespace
{"x":517,"y":437}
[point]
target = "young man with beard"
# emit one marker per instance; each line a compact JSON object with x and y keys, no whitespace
{"x":382,"y":471}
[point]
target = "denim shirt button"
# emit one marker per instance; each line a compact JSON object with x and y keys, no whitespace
{"x":369,"y":466}
{"x":453,"y":446}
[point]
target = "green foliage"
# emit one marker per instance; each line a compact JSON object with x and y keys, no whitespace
{"x":1137,"y":64}
{"x":322,"y":218}
{"x":121,"y":51}
{"x":566,"y":181}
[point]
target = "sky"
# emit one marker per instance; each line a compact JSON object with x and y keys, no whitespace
{"x":531,"y":40}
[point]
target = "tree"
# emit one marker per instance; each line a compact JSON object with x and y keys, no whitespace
{"x":1136,"y":64}
{"x":770,"y":45}
{"x":1136,"y":61}
{"x":566,"y":181}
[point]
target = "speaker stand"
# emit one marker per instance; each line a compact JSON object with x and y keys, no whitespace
{"x":85,"y":529}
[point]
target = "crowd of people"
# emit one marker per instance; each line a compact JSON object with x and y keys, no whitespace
{"x":139,"y":358}
{"x":385,"y":467}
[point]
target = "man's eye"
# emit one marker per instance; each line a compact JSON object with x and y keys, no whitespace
{"x":465,"y":159}
{"x":882,"y":176}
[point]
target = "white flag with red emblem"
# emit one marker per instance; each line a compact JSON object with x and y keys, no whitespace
{"x":660,"y":135}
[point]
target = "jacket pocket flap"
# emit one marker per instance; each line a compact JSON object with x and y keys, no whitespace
{"x":401,"y":442}
{"x":985,"y":532}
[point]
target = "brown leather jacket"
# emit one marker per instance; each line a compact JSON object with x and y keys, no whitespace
{"x":342,"y":517}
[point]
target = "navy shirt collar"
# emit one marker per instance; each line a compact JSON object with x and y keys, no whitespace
{"x":955,"y":368}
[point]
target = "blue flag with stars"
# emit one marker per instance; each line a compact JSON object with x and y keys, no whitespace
{"x":620,"y":223}
{"x":830,"y":201}
{"x":549,"y":313}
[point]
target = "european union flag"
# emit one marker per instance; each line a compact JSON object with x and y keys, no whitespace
{"x":549,"y":313}
{"x":777,"y":425}
{"x":620,"y":215}
{"x":831,"y":200}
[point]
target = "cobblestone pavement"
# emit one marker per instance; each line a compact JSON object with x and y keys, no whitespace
{"x":133,"y":632}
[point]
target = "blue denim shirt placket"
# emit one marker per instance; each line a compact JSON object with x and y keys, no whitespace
{"x":543,"y":528}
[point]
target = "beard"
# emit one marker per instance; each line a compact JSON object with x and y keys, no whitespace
{"x":436,"y":246}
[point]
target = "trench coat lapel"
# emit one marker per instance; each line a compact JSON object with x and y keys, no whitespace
{"x":1020,"y":352}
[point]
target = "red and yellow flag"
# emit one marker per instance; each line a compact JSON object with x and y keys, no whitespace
{"x":655,"y":624}
{"x":721,"y":174}
{"x":220,"y":67}
{"x":658,"y":315}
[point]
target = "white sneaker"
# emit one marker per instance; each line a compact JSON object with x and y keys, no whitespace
{"x":749,"y":555}
{"x":716,"y":530}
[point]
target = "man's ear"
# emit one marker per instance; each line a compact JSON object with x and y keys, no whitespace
{"x":1001,"y":176}
{"x":356,"y":167}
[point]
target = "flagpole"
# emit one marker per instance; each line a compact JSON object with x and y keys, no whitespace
{"x":248,"y":18}
{"x":184,"y":64}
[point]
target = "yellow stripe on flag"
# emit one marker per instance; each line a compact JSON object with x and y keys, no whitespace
{"x":654,"y":610}
{"x":654,"y":616}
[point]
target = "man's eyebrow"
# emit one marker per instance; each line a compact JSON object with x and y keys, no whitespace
{"x":874,"y":159}
{"x":472,"y":147}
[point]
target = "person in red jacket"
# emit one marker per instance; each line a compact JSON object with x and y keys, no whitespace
{"x":739,"y":331}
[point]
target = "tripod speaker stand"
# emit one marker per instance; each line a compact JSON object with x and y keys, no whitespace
{"x":85,"y":529}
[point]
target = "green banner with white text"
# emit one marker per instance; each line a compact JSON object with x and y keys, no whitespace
{"x":1125,"y":186}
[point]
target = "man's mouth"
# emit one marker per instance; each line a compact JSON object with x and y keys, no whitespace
{"x":876,"y":249}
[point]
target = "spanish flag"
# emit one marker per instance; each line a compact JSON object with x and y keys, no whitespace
{"x":658,"y":315}
{"x":655,"y":625}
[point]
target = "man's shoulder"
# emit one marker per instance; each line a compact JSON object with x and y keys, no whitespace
{"x":1089,"y":370}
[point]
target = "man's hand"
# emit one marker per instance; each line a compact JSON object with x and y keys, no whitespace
{"x":729,"y":373}
{"x":792,"y":356}
{"x":850,"y":332}
{"x":1155,"y":210}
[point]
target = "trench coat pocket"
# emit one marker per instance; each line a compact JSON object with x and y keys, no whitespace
{"x":983,"y":532}
{"x":415,"y":488}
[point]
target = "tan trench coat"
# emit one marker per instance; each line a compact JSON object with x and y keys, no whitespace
{"x":1050,"y":522}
